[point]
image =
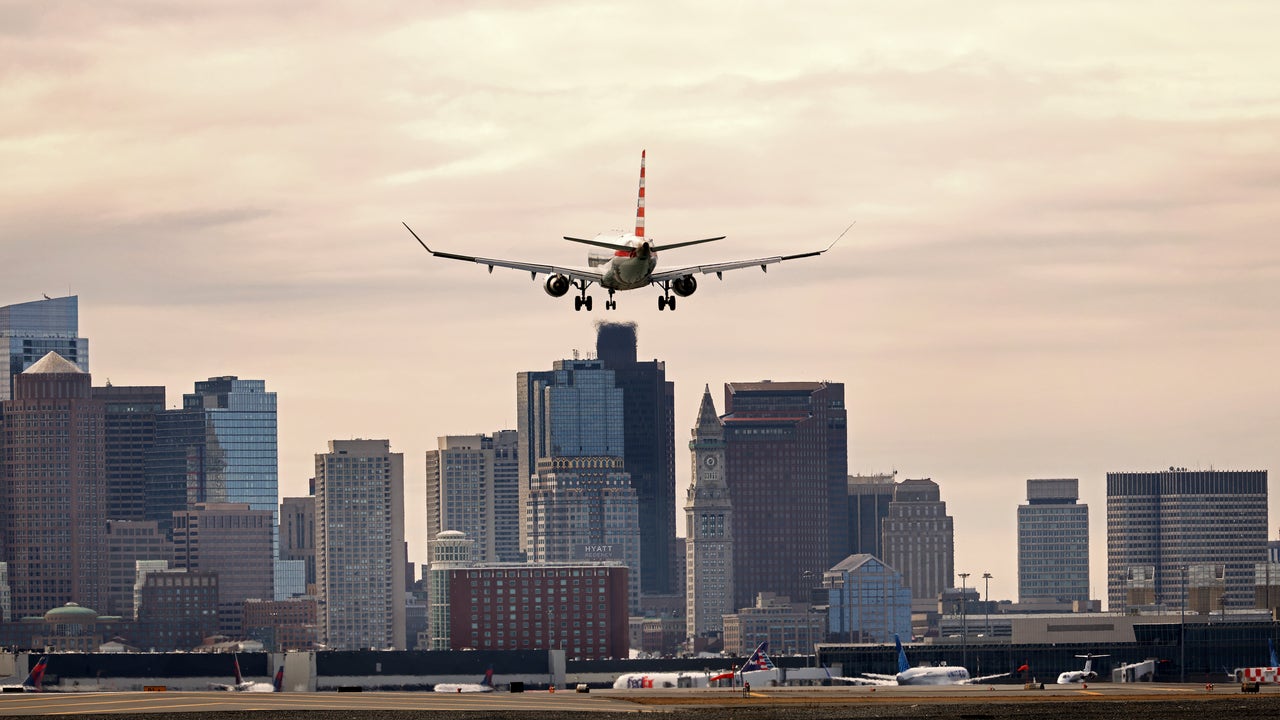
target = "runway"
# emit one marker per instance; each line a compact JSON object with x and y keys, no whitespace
{"x":1101,"y":701}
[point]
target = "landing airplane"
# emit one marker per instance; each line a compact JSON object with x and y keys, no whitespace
{"x":485,"y":685}
{"x":759,"y":661}
{"x":631,"y":264}
{"x":242,"y":685}
{"x":1080,"y":676}
{"x":924,"y":674}
{"x":33,"y":681}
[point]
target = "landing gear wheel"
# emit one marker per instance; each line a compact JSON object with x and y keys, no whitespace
{"x":610,"y":304}
{"x":662,"y":303}
{"x":671,"y":303}
{"x":586,"y":302}
{"x":577,"y":303}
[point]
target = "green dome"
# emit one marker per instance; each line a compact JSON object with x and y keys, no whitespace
{"x":71,"y":613}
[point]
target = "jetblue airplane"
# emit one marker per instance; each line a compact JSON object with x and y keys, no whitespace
{"x":923,"y":674}
{"x":631,"y":263}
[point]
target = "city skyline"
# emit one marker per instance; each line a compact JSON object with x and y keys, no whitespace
{"x":1062,"y":266}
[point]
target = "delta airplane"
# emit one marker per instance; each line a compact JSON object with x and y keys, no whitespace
{"x":922,"y":675}
{"x":242,"y":685}
{"x":33,"y":681}
{"x":1071,"y":677}
{"x":630,"y":264}
{"x":485,"y":685}
{"x":759,"y":661}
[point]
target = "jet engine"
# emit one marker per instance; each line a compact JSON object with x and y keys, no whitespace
{"x":684,"y":285}
{"x":556,"y":285}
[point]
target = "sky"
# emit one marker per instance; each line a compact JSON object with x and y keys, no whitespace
{"x":1064,"y":263}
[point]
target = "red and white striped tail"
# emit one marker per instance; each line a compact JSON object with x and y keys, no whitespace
{"x":640,"y":201}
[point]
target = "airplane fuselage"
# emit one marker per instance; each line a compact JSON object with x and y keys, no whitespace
{"x":629,"y":269}
{"x":940,"y":675}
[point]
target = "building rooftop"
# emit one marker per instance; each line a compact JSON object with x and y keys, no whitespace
{"x":53,"y":364}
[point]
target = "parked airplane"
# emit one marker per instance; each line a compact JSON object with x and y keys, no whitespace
{"x":1267,"y":675}
{"x":923,"y":674}
{"x":485,"y":685}
{"x":759,"y":661}
{"x":242,"y":685}
{"x":33,"y":681}
{"x":1080,"y":676}
{"x":630,"y":264}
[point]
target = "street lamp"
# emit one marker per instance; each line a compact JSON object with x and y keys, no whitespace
{"x":986,"y":576}
{"x":1182,"y":626}
{"x":964,"y":631}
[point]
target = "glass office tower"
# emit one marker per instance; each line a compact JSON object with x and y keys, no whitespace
{"x":31,"y":330}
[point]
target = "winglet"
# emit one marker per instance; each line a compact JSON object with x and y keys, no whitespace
{"x":833,"y":242}
{"x":640,"y":200}
{"x":415,"y":237}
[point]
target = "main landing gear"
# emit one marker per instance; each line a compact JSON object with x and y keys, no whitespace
{"x":610,"y":304}
{"x":666,"y":300}
{"x":582,"y":302}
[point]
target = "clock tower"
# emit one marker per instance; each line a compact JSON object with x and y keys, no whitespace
{"x":708,"y":528}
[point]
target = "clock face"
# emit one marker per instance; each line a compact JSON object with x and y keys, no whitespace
{"x":710,"y":461}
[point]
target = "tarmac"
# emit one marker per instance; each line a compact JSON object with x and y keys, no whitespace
{"x":1102,"y":701}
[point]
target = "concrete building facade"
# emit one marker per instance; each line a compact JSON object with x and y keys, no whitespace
{"x":919,"y":538}
{"x":708,"y":529}
{"x":234,"y":541}
{"x":1053,"y":543}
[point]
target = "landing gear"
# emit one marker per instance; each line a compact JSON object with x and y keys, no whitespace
{"x":583,"y":300}
{"x":610,"y":304}
{"x":667,"y":301}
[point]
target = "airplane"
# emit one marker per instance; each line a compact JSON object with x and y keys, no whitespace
{"x":922,"y":675}
{"x":1265,"y":675}
{"x":484,"y":686}
{"x":34,"y":679}
{"x":631,"y":263}
{"x":758,"y":661}
{"x":242,"y":685}
{"x":1080,"y":676}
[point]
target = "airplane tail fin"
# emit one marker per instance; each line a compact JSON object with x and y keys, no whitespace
{"x":278,"y":684}
{"x":488,"y":677}
{"x":640,"y":200}
{"x":36,"y":676}
{"x":759,"y":659}
{"x":239,"y":677}
{"x":903,"y":665}
{"x":1275,"y":661}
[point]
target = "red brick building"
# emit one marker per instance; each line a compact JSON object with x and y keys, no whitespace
{"x":581,"y":608}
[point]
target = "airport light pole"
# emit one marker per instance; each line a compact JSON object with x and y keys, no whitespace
{"x":1182,"y":626}
{"x":964,"y":631}
{"x":986,"y":606}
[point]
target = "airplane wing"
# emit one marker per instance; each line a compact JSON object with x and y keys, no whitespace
{"x":720,"y":268}
{"x":874,"y":679}
{"x":985,"y":678}
{"x":532,"y":268}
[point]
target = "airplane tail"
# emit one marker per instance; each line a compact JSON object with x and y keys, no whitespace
{"x":239,"y":677}
{"x":1275,"y":662}
{"x":488,"y":678}
{"x":903,"y":665}
{"x":759,"y":659}
{"x":36,"y":676}
{"x":640,"y":201}
{"x":278,"y":684}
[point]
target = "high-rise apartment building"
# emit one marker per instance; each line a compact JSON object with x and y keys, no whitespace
{"x":449,"y":550}
{"x":220,"y":448}
{"x":130,"y":431}
{"x":360,"y":545}
{"x":1161,"y":525}
{"x":708,"y":516}
{"x":1053,"y":542}
{"x":31,"y":330}
{"x":584,"y":508}
{"x":648,"y":411}
{"x":54,"y":496}
{"x":786,"y":465}
{"x":298,"y":534}
{"x":919,"y":538}
{"x":574,"y":410}
{"x":869,"y":498}
{"x":473,"y":487}
{"x":234,"y":541}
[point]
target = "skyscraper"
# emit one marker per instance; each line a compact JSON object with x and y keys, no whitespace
{"x":31,"y":330}
{"x":574,"y":410}
{"x":130,"y":432}
{"x":220,"y":448}
{"x":298,"y":534}
{"x":1177,"y":520}
{"x":54,"y":501}
{"x":128,"y":542}
{"x":786,"y":458}
{"x":234,"y":541}
{"x":473,"y":487}
{"x":360,"y":545}
{"x":648,"y":410}
{"x":869,"y":498}
{"x":919,"y":538}
{"x":584,"y":508}
{"x":1053,"y":543}
{"x":708,"y":529}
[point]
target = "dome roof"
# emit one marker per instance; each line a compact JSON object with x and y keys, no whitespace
{"x":71,"y":613}
{"x":450,"y":535}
